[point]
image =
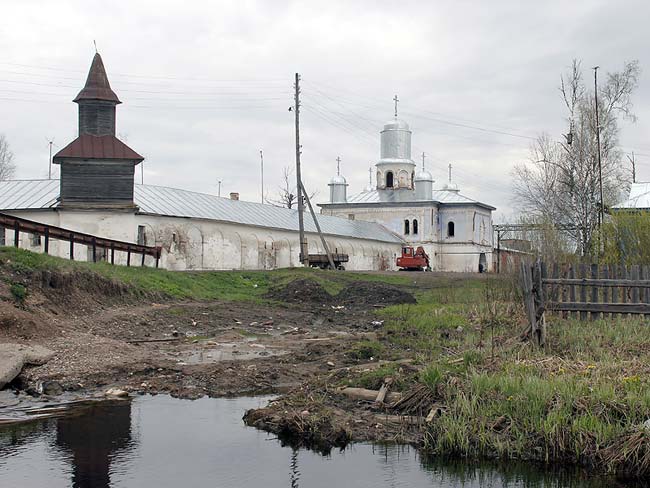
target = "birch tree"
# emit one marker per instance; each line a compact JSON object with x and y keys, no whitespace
{"x":560,"y":183}
{"x":7,"y":166}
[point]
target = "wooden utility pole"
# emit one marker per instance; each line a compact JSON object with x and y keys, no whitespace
{"x":631,"y":159}
{"x":304,"y":254}
{"x":600,"y":166}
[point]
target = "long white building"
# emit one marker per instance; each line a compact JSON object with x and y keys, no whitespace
{"x":96,"y":194}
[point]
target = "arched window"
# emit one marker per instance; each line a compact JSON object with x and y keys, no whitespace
{"x":389,"y":180}
{"x":406,"y":227}
{"x":450,"y":229}
{"x":415,"y":226}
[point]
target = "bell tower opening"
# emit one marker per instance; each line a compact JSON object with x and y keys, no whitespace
{"x":389,"y":179}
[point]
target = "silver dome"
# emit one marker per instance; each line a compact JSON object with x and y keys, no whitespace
{"x":423,"y":175}
{"x":338,"y":180}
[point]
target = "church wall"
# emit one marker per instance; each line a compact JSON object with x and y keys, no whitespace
{"x":202,"y":244}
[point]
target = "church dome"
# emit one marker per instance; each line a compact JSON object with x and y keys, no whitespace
{"x":451,"y":187}
{"x":423,"y":175}
{"x":338,"y":180}
{"x":396,"y":124}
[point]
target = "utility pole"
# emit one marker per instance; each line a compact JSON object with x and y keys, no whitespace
{"x":262,"y":171}
{"x":600,"y":166}
{"x":631,"y":159}
{"x":304,"y":254}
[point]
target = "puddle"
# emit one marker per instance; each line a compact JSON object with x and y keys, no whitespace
{"x":159,"y":441}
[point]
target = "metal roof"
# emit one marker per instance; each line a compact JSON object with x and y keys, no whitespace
{"x":97,"y":86}
{"x":438,"y":196}
{"x":639,"y":197}
{"x":87,"y":146}
{"x":174,"y":202}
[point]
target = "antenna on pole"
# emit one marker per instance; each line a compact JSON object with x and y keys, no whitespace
{"x":395,"y":99}
{"x":50,"y":142}
{"x":262,"y":171}
{"x":338,"y":165}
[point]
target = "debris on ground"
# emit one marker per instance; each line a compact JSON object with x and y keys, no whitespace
{"x":368,"y":293}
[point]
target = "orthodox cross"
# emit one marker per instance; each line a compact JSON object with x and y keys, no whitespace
{"x":449,"y":172}
{"x":338,"y":165}
{"x":395,"y":99}
{"x":370,"y":176}
{"x":423,"y":156}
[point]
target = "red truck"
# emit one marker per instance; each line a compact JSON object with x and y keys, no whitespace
{"x":414,"y":260}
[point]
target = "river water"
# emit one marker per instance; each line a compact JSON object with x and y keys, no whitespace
{"x":159,"y":441}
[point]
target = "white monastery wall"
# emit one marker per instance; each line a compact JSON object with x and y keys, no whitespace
{"x":202,"y":244}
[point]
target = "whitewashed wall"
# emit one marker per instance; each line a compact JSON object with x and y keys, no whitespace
{"x":204,"y":244}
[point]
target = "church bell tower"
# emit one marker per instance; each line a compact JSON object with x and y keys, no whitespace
{"x":97,"y":169}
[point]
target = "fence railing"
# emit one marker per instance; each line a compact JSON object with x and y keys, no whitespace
{"x":93,"y":243}
{"x":583,"y":291}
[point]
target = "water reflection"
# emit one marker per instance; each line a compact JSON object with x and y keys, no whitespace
{"x":93,"y":439}
{"x":164,"y":442}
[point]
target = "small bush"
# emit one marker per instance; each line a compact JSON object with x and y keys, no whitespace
{"x":18,"y":291}
{"x":432,"y":377}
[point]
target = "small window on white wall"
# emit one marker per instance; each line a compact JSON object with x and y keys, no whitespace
{"x":415,"y":226}
{"x":451,"y":231}
{"x":407,"y":230}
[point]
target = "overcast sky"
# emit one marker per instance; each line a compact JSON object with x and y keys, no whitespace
{"x":206,"y":85}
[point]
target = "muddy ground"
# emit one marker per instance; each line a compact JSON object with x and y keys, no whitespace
{"x":103,"y":338}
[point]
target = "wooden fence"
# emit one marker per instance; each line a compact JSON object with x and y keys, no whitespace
{"x":584,"y":292}
{"x":93,"y":243}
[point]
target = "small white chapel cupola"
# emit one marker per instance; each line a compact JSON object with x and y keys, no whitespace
{"x":395,"y":169}
{"x":450,"y":186}
{"x":338,"y":185}
{"x":423,"y":183}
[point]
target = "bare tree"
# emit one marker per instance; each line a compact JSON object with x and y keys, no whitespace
{"x":560,"y":182}
{"x":7,"y":166}
{"x":287,"y":195}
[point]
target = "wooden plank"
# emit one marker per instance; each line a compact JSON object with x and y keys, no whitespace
{"x":582,"y":270}
{"x":635,"y":274}
{"x":16,"y":234}
{"x":594,"y":290}
{"x":600,"y":283}
{"x":622,"y":273}
{"x":624,"y":308}
{"x":555,"y":289}
{"x":605,"y":274}
{"x":572,"y":288}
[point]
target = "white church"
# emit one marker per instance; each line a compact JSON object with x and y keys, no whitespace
{"x":96,"y":194}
